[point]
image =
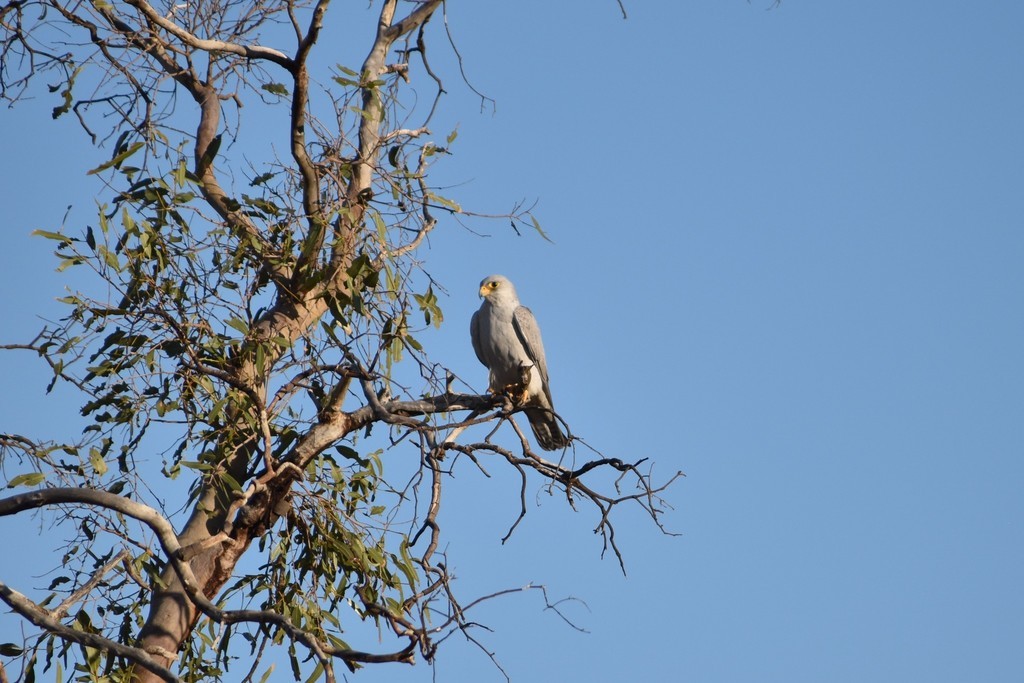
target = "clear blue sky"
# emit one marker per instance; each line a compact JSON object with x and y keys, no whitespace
{"x":787,"y":259}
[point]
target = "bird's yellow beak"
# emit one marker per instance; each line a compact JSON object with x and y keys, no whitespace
{"x":484,"y":291}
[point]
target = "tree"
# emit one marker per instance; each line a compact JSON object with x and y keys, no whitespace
{"x":252,"y":350}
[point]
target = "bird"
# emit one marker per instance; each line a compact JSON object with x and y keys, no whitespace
{"x":506,"y":339}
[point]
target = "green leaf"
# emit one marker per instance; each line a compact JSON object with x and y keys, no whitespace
{"x":428,"y":304}
{"x":382,"y":230}
{"x":180,"y":173}
{"x":110,"y":258}
{"x":262,"y":204}
{"x":230,"y":481}
{"x":345,"y":82}
{"x":135,"y":147}
{"x":238,"y":324}
{"x":317,"y":673}
{"x":68,"y":262}
{"x":10,"y":650}
{"x":27,"y":479}
{"x":445,"y":202}
{"x":276,"y":89}
{"x":262,"y":178}
{"x":63,"y":239}
{"x":60,"y":580}
{"x":99,"y":465}
{"x":362,"y":112}
{"x":127,"y":221}
{"x":536,"y":226}
{"x":65,"y":107}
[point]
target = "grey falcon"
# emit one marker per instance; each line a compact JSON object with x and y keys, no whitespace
{"x":507,"y":341}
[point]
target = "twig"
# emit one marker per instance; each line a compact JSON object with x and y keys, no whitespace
{"x":62,"y":609}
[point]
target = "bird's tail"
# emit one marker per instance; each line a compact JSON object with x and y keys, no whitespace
{"x":546,"y":429}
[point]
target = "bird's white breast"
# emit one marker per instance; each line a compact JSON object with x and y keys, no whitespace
{"x":501,"y":346}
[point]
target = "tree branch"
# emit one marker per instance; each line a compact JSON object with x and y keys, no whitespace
{"x":176,"y":556}
{"x":43,"y":619}
{"x":247,"y":51}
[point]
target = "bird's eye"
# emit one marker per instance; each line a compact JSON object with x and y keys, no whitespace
{"x":493,"y":284}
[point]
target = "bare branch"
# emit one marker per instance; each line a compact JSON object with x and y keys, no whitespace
{"x":62,"y":609}
{"x":247,"y":51}
{"x":43,"y":619}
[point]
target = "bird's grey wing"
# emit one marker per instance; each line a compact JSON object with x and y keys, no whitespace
{"x":528,"y":332}
{"x":543,"y":421}
{"x":474,"y":335}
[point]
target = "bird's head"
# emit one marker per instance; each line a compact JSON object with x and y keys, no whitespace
{"x":496,"y":287}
